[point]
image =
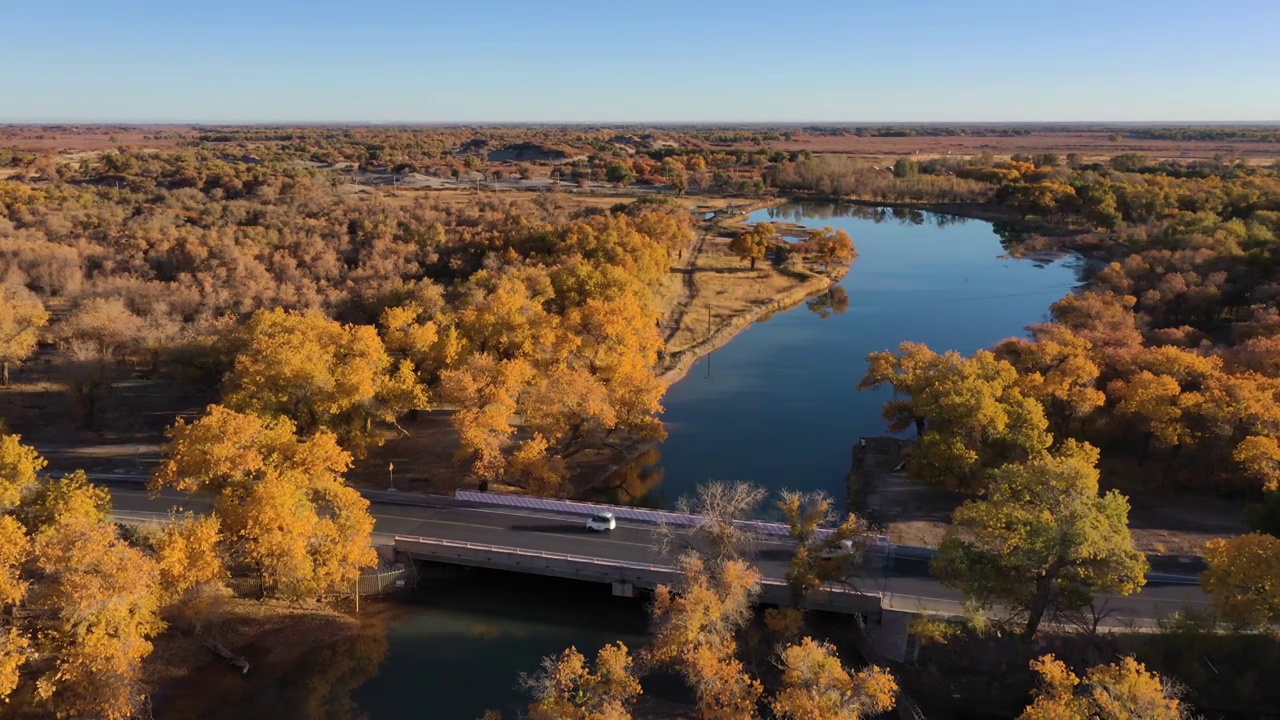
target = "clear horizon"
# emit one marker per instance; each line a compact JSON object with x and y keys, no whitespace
{"x":397,"y":62}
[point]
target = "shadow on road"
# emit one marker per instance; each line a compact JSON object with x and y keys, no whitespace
{"x":555,"y":529}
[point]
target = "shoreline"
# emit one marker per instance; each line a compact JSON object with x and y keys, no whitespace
{"x":679,"y":364}
{"x":673,"y":368}
{"x":985,"y":211}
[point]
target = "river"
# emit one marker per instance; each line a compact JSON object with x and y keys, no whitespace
{"x":777,"y":406}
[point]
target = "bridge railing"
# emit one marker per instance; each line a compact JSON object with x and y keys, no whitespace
{"x":535,"y":553}
{"x":627,"y":512}
{"x":604,"y":562}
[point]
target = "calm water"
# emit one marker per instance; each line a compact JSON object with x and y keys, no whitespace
{"x":450,"y":650}
{"x":779,"y":406}
{"x":459,"y":649}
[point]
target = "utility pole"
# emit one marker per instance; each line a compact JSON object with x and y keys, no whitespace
{"x":391,"y":472}
{"x":357,"y":592}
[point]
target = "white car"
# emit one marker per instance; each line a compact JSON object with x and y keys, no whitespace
{"x":604,"y":522}
{"x":842,"y":549}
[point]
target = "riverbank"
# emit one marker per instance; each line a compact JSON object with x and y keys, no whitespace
{"x":189,"y":680}
{"x":709,"y":297}
{"x":722,"y":297}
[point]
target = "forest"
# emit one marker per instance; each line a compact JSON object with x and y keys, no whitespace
{"x":299,"y":290}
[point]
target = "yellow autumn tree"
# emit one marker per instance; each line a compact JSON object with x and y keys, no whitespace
{"x":568,"y":689}
{"x":320,"y":374}
{"x":20,"y":466}
{"x":19,"y":475}
{"x":618,"y":345}
{"x":1259,"y":456}
{"x":830,"y":249}
{"x":422,"y":332}
{"x":21,"y":317}
{"x":1161,"y":391}
{"x":694,"y":631}
{"x":1244,"y":578}
{"x":489,"y":390}
{"x":724,"y":688}
{"x":73,"y":496}
{"x":96,"y":607}
{"x":544,"y":361}
{"x":505,"y":313}
{"x":1120,"y":690}
{"x":280,"y":500}
{"x":816,"y":685}
{"x":754,"y":243}
{"x":822,"y":554}
{"x":189,"y":561}
{"x":971,"y":413}
{"x":14,"y":646}
{"x":1058,"y":369}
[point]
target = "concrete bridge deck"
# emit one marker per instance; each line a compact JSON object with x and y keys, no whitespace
{"x":624,"y":575}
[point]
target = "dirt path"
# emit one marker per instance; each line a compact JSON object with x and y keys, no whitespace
{"x":676,"y":318}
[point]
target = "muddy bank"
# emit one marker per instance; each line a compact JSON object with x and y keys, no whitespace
{"x":300,"y":655}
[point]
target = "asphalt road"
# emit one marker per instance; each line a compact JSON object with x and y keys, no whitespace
{"x":905,"y":581}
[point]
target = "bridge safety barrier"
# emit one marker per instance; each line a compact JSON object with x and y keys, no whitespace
{"x":627,"y":512}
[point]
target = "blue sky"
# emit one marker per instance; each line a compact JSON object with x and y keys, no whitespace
{"x":661,"y":60}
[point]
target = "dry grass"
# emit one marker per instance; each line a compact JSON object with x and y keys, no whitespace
{"x":1092,"y":145}
{"x":727,"y":287}
{"x":68,"y":138}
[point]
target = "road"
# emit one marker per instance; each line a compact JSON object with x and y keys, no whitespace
{"x":905,"y":582}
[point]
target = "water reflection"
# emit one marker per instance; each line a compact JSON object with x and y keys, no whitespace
{"x":460,"y":641}
{"x":325,"y":682}
{"x":635,"y":483}
{"x":832,"y":302}
{"x":315,"y":684}
{"x":808,"y":210}
{"x":781,"y":408}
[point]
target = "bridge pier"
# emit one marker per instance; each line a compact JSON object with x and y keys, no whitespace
{"x":623,"y":589}
{"x":889,"y":635}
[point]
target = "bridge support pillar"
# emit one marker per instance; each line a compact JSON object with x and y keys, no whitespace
{"x":889,"y":636}
{"x":624,"y":589}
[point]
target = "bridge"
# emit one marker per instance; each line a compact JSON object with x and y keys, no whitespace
{"x":557,"y":544}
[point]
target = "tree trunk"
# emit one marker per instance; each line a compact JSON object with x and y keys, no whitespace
{"x":4,"y":371}
{"x":1040,"y":602}
{"x":1173,"y":461}
{"x":753,"y":263}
